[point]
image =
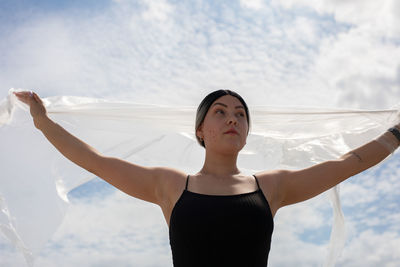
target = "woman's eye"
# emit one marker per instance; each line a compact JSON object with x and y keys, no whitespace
{"x":219,"y":110}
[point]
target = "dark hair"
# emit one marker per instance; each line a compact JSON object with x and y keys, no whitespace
{"x":206,"y":104}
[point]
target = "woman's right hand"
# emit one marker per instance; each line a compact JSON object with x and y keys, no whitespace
{"x":37,"y":108}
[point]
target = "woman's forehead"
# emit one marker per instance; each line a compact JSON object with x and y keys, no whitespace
{"x":227,"y":100}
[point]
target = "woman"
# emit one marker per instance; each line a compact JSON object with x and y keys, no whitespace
{"x":218,"y":216}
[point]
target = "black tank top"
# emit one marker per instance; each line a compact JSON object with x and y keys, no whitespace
{"x":221,"y":230}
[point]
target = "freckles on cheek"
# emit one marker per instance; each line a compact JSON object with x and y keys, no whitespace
{"x":212,"y":135}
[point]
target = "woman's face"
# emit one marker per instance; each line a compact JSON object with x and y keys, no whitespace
{"x":226,"y":113}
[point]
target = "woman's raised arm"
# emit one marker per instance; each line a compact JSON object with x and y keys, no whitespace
{"x":299,"y":185}
{"x":138,"y":181}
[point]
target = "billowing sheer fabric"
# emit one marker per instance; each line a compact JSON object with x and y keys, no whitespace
{"x":280,"y":138}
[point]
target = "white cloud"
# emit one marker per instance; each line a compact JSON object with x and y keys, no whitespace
{"x":279,"y":57}
{"x":372,"y":249}
{"x":114,"y":230}
{"x":290,"y":251}
{"x":10,"y":257}
{"x":361,"y":68}
{"x":159,"y":10}
{"x":162,"y":61}
{"x":358,"y":63}
{"x":295,"y":228}
{"x":355,"y":194}
{"x":303,"y":30}
{"x":252,"y":4}
{"x":381,"y":16}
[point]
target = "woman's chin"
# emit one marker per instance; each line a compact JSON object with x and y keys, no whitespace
{"x":229,"y":148}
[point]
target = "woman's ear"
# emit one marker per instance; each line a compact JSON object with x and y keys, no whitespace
{"x":199,"y":132}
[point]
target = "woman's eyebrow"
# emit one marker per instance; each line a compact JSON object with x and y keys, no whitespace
{"x":226,"y":105}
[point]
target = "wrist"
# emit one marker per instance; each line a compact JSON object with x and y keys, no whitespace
{"x":396,"y":133}
{"x":388,"y":141}
{"x":41,"y":121}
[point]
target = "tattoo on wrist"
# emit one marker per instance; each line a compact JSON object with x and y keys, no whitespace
{"x":356,"y":155}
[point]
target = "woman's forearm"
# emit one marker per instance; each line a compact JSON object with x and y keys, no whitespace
{"x":370,"y":154}
{"x":71,"y":147}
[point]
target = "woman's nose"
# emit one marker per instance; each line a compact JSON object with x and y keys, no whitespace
{"x":232,"y":120}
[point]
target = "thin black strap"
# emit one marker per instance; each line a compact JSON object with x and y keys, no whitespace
{"x":257,"y":181}
{"x":187,"y":180}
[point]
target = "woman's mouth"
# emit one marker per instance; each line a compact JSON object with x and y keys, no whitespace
{"x":231,"y":131}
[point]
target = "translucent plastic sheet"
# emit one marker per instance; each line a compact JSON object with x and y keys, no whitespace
{"x":280,"y":138}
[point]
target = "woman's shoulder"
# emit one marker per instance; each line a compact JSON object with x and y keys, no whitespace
{"x":269,"y":181}
{"x":169,"y":175}
{"x":171,"y":184}
{"x":171,"y":179}
{"x":269,"y":175}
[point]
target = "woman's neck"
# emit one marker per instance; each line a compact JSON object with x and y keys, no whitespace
{"x":220,"y":165}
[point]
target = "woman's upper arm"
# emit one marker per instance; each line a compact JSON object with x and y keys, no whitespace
{"x":145,"y":183}
{"x":303,"y":184}
{"x":300,"y":185}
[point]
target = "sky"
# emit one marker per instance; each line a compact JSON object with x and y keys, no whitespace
{"x":330,"y":53}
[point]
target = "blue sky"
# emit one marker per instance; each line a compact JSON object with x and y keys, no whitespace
{"x":281,"y":53}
